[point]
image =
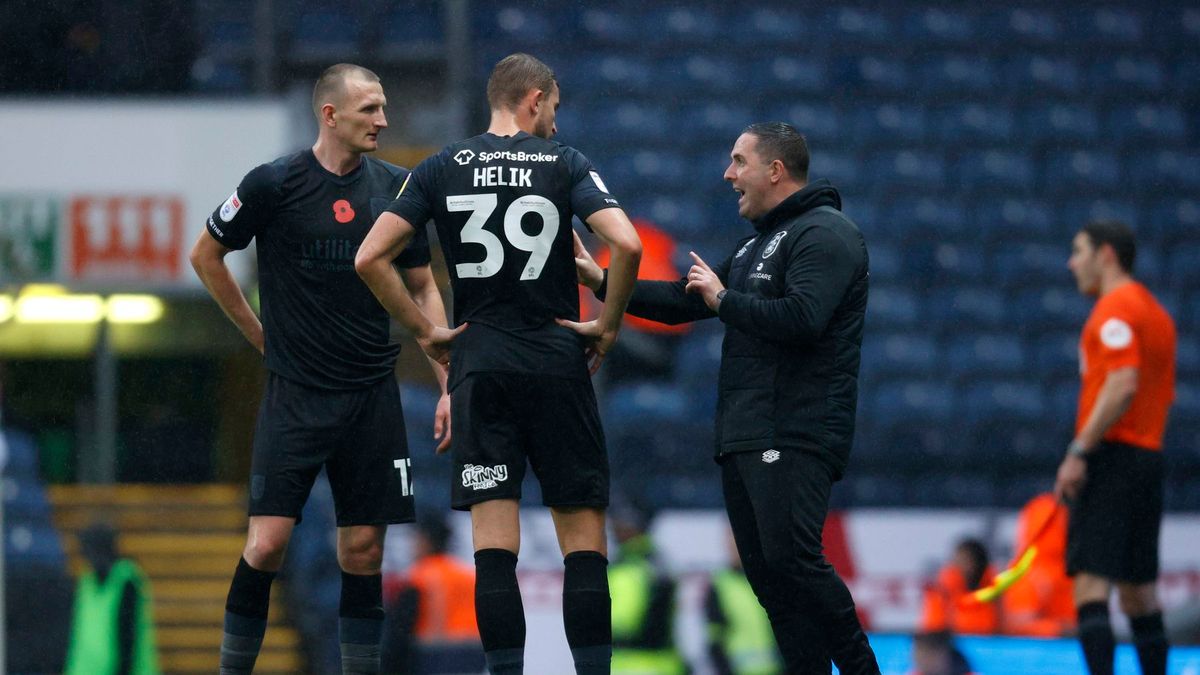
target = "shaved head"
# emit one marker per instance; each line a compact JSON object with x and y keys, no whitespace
{"x":331,"y":86}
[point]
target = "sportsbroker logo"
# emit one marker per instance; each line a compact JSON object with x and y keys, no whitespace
{"x":478,"y":477}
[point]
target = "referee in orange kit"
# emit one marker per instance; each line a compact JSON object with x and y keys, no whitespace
{"x":1112,"y":475}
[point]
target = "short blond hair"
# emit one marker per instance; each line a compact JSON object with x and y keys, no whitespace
{"x":515,"y":76}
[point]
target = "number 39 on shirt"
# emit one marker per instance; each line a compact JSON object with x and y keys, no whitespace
{"x":481,"y":207}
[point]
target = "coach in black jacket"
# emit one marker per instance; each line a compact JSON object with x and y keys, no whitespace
{"x":792,"y":298}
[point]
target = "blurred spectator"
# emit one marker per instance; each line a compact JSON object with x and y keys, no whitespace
{"x":948,"y":605}
{"x":430,"y":625}
{"x":643,"y":599}
{"x":740,"y":641}
{"x":647,"y":348}
{"x":112,"y":631}
{"x":934,"y":653}
{"x":1041,"y":603}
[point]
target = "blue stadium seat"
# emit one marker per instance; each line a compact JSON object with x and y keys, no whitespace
{"x":930,"y":25}
{"x":1112,"y":26}
{"x":864,"y":490}
{"x":607,"y":25}
{"x":420,"y":23}
{"x":324,"y":32}
{"x":851,"y":25}
{"x":637,"y":403}
{"x":1172,"y":219}
{"x":1187,"y":352}
{"x":956,"y":264}
{"x":789,"y":74}
{"x":902,"y":354}
{"x":1184,"y":269}
{"x":891,"y":305}
{"x":1058,"y":123}
{"x":1078,"y":212}
{"x":987,"y":355}
{"x":699,"y":74}
{"x":1039,"y":265}
{"x":1015,"y":219}
{"x":957,"y":489}
{"x":615,"y":72}
{"x":1043,"y":74}
{"x":957,"y":74}
{"x":976,"y":124}
{"x":211,"y":75}
{"x":1167,"y":170}
{"x":631,"y":121}
{"x":821,"y":124}
{"x":1162,"y":122}
{"x":1024,"y":25}
{"x":514,"y":23}
{"x":27,"y":545}
{"x":890,"y":124}
{"x":886,"y":262}
{"x":766,"y":24}
{"x":713,"y":121}
{"x":908,"y":169}
{"x":683,"y":215}
{"x":683,"y":24}
{"x":1055,"y":307}
{"x":699,"y":354}
{"x":928,"y":215}
{"x":960,"y":307}
{"x":22,"y":460}
{"x":911,"y":401}
{"x":663,"y":170}
{"x":1057,"y":353}
{"x":1082,"y":169}
{"x":996,"y":171}
{"x":1005,"y":400}
{"x":874,"y":74}
{"x":841,"y":169}
{"x":1128,"y":74}
{"x":1063,"y":395}
{"x":1185,"y":75}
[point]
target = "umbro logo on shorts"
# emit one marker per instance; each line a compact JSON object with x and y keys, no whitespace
{"x":770,"y":456}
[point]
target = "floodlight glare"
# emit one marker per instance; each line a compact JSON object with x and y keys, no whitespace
{"x":134,"y":309}
{"x":60,"y":308}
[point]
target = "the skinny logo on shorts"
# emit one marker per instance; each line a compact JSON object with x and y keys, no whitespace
{"x":771,"y":456}
{"x":478,"y":477}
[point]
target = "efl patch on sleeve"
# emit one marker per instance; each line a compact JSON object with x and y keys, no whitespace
{"x":231,"y":206}
{"x":1116,"y":334}
{"x":599,"y":183}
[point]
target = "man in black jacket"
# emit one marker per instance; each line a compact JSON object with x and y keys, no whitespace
{"x":793,"y":298}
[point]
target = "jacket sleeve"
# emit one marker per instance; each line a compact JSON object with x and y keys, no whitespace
{"x":820,"y":268}
{"x":667,"y":301}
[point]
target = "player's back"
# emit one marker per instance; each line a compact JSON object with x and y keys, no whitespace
{"x":503,"y":207}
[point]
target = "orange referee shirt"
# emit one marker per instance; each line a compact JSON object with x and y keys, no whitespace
{"x":1128,"y":328}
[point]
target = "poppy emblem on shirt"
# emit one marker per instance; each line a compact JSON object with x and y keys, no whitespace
{"x":342,"y":211}
{"x":773,"y":244}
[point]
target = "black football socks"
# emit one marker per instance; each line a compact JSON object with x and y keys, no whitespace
{"x":245,"y":619}
{"x":499,"y":612}
{"x":1150,"y":639}
{"x":587,"y":612}
{"x":360,"y":623}
{"x":1096,"y":637}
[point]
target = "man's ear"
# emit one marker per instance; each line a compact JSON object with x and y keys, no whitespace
{"x":329,"y":115}
{"x":534,"y":100}
{"x":777,"y":171}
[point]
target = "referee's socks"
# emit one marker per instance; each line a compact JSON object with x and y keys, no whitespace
{"x":1096,"y":637}
{"x":1150,"y":639}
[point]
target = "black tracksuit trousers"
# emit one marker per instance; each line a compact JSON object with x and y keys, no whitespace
{"x":777,"y":503}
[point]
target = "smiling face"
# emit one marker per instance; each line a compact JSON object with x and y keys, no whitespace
{"x":750,"y":176}
{"x":359,"y":115}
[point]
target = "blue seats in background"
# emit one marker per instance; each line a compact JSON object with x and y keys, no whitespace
{"x":997,"y":171}
{"x":1163,"y":122}
{"x":322,"y":32}
{"x":1032,"y":265}
{"x":1167,"y":170}
{"x":908,"y":169}
{"x":890,"y":305}
{"x":890,"y":124}
{"x":789,"y":74}
{"x":1080,"y":170}
{"x":1014,"y":220}
{"x":940,"y":25}
{"x":1053,"y":307}
{"x":1043,"y":74}
{"x":986,"y":355}
{"x":1059,"y":123}
{"x":1125,"y":74}
{"x":957,"y":74}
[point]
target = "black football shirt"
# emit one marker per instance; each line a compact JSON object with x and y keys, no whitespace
{"x":503,"y":208}
{"x":322,"y":325}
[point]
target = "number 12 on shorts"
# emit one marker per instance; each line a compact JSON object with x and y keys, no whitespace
{"x":481,"y":207}
{"x":406,"y":486}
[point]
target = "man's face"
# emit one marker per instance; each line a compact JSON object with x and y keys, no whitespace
{"x":750,"y":176}
{"x":543,"y":121}
{"x":1085,"y":264}
{"x":360,"y":115}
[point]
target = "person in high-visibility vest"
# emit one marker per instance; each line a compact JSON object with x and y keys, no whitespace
{"x":112,"y":630}
{"x":945,"y":607}
{"x":740,"y":641}
{"x":643,"y":601}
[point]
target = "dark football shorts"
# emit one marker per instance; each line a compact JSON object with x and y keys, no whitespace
{"x":357,"y":435}
{"x":498,"y":420}
{"x":1115,"y":521}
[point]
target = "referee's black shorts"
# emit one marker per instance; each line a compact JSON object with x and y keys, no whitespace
{"x":501,"y":419}
{"x":1115,"y":521}
{"x":357,"y":435}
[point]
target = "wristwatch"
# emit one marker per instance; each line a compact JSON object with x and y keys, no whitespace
{"x":721,"y":295}
{"x":1076,"y":448}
